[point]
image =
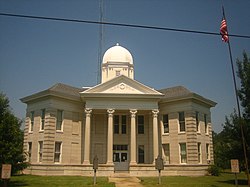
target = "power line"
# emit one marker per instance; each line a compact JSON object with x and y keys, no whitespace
{"x":122,"y":25}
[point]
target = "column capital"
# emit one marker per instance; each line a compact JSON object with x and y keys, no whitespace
{"x":155,"y":113}
{"x":88,"y":112}
{"x":110,"y":112}
{"x":133,"y":112}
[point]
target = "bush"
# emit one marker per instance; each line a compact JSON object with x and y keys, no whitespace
{"x":214,"y":170}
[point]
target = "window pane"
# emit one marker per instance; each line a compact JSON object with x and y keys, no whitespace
{"x":42,"y":119}
{"x":208,"y":151}
{"x":183,"y":153}
{"x":182,"y":126}
{"x":40,"y":153}
{"x":141,"y":154}
{"x":140,"y":124}
{"x":59,"y":120}
{"x":124,"y":157}
{"x":116,"y":157}
{"x":165,"y":123}
{"x":116,"y":119}
{"x":124,"y":129}
{"x":57,"y":157}
{"x":57,"y":147}
{"x":199,"y":152}
{"x":32,"y":120}
{"x":205,"y":121}
{"x":182,"y":121}
{"x":116,"y":129}
{"x":124,"y":120}
{"x":141,"y":120}
{"x":29,"y":150}
{"x":124,"y":124}
{"x":166,"y":152}
{"x":197,"y":121}
{"x":57,"y":154}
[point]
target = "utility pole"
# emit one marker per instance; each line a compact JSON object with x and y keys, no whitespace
{"x":100,"y":45}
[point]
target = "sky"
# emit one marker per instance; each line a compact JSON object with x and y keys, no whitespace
{"x":36,"y":54}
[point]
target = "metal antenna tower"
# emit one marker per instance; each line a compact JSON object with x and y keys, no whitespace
{"x":101,"y":30}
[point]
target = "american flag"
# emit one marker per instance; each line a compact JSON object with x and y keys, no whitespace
{"x":223,"y":30}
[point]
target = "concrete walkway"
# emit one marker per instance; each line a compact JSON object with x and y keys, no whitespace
{"x":126,"y":181}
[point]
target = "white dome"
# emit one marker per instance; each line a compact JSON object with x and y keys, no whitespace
{"x":117,"y":54}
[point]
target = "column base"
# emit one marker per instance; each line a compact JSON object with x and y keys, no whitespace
{"x":110,"y":163}
{"x":133,"y":163}
{"x":86,"y":162}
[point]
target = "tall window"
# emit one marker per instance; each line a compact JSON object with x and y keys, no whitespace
{"x":199,"y":152}
{"x":120,"y":124}
{"x":208,"y":151}
{"x":57,"y":156}
{"x":124,"y":124}
{"x":197,"y":121}
{"x":165,"y":123}
{"x":32,"y":116}
{"x":140,"y":122}
{"x":40,"y":151}
{"x":183,"y":153}
{"x":205,"y":121}
{"x":42,"y":119}
{"x":166,"y":152}
{"x":59,"y":120}
{"x":182,"y":122}
{"x":141,"y":154}
{"x":29,"y":151}
{"x":116,"y":124}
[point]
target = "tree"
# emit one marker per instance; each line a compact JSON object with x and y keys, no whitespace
{"x":11,"y":138}
{"x":228,"y":143}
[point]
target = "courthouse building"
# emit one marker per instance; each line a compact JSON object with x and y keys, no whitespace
{"x":125,"y":123}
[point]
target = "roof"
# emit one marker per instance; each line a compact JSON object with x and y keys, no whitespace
{"x":73,"y":93}
{"x":66,"y":89}
{"x":175,"y":91}
{"x":181,"y":93}
{"x":59,"y":90}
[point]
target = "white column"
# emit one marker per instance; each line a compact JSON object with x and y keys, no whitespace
{"x":110,"y":137}
{"x":155,"y":134}
{"x":87,"y":136}
{"x":133,"y":137}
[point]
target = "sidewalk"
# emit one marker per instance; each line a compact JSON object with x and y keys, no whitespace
{"x":126,"y":181}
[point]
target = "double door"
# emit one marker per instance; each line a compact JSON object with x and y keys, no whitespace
{"x":120,"y":159}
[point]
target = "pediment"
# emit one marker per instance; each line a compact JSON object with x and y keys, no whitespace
{"x":122,"y":85}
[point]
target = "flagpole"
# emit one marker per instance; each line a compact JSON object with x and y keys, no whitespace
{"x":238,"y":106}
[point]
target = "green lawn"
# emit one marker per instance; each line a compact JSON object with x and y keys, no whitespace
{"x":224,"y":180}
{"x":56,"y":181}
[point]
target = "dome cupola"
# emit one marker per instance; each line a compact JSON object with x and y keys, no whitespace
{"x":117,"y":61}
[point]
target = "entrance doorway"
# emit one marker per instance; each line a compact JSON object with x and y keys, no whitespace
{"x":120,"y":157}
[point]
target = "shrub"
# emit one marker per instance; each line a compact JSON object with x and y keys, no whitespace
{"x":214,"y":170}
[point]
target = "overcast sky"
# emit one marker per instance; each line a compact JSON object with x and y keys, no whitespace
{"x":36,"y":54}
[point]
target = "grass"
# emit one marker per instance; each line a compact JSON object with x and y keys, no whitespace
{"x":56,"y":181}
{"x":224,"y":180}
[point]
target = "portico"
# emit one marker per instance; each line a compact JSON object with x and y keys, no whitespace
{"x":126,"y":132}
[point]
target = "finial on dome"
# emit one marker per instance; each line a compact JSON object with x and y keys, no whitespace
{"x":117,"y":44}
